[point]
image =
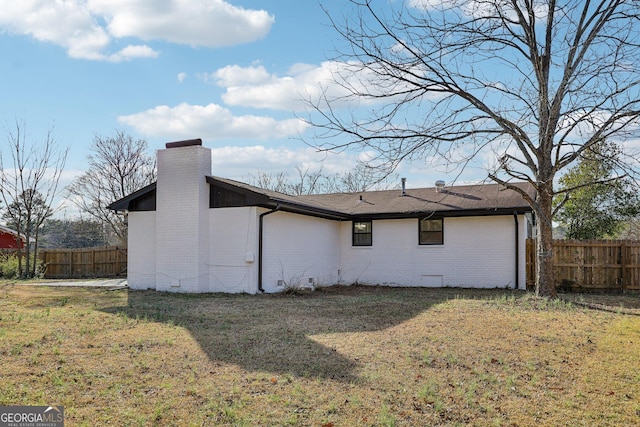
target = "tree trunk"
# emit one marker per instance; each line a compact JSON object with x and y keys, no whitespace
{"x":27,"y":250}
{"x":34,"y":263}
{"x":545,"y":284}
{"x":20,"y":247}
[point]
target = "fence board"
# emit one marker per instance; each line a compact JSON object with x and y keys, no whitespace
{"x":107,"y":261}
{"x":591,"y":265}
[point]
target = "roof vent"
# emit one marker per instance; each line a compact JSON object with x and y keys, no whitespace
{"x":404,"y":183}
{"x":439,"y":186}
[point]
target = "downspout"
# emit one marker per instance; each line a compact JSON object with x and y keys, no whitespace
{"x":260,"y":238}
{"x":517,"y":260}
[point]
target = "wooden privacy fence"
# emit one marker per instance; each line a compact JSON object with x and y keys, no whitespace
{"x":591,"y":265}
{"x":87,"y":262}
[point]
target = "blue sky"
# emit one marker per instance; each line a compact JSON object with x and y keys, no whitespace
{"x":230,"y":72}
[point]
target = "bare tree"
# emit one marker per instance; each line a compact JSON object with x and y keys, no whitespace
{"x":532,"y":84}
{"x":307,"y":181}
{"x":28,"y":187}
{"x":364,"y":178}
{"x":118,"y":166}
{"x":276,"y":182}
{"x":310,"y":181}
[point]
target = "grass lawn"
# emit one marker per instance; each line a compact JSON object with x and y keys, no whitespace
{"x":352,"y":356}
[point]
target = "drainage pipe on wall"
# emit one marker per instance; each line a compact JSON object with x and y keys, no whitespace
{"x":260,"y":239}
{"x":517,"y":260}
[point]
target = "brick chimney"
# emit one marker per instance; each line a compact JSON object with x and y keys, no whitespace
{"x":182,"y":221}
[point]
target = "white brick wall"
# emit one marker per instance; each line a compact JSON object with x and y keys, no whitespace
{"x":297,"y":248}
{"x":182,"y":227}
{"x":233,"y":255}
{"x":141,"y":253}
{"x":477,"y":252}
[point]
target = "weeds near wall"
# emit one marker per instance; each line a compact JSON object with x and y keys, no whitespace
{"x":295,"y":284}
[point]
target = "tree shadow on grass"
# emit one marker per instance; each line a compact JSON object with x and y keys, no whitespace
{"x":273,"y":333}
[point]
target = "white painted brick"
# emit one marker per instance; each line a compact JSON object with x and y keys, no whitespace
{"x":297,"y":248}
{"x":141,"y":253}
{"x":477,"y":252}
{"x":233,"y":255}
{"x":182,"y":227}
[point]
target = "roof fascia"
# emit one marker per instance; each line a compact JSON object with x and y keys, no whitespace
{"x":253,"y":197}
{"x":123,"y":204}
{"x":256,"y":198}
{"x":444,"y":214}
{"x":264,"y":200}
{"x":299,"y":208}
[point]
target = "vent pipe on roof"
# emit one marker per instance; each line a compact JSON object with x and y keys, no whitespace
{"x":404,"y":182}
{"x":439,"y":186}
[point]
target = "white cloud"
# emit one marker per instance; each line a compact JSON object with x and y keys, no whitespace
{"x":478,"y":8}
{"x":131,"y":52}
{"x":64,"y":23}
{"x":210,"y":23}
{"x":86,"y":29}
{"x":241,"y":162}
{"x":632,"y":146}
{"x":255,"y":87}
{"x":235,"y":75}
{"x":181,"y":76}
{"x":211,"y":122}
{"x":428,"y":4}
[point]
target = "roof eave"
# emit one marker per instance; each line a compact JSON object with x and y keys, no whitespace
{"x":445,"y":213}
{"x":123,"y":204}
{"x":300,"y":208}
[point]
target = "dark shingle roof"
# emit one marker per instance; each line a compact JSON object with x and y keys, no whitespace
{"x":478,"y":199}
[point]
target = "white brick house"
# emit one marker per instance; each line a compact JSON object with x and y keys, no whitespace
{"x":194,"y":232}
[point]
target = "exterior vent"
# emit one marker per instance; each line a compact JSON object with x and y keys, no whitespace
{"x":439,"y":186}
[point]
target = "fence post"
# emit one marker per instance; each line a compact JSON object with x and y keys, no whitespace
{"x":623,"y":261}
{"x":42,"y":255}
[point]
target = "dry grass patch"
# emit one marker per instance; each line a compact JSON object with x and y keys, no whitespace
{"x":622,"y":302}
{"x":341,"y":356}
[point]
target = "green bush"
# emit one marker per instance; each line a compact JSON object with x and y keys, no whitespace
{"x":9,"y":266}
